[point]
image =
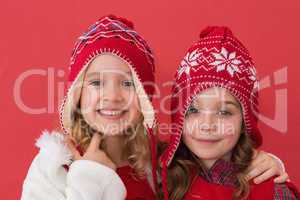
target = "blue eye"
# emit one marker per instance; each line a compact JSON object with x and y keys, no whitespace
{"x":96,"y":83}
{"x":224,"y":113}
{"x":191,"y":110}
{"x":128,"y":83}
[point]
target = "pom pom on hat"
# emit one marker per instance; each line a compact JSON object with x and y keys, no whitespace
{"x":215,"y":30}
{"x":121,"y":19}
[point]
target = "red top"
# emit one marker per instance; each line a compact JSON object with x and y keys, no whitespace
{"x":219,"y":181}
{"x":136,"y":188}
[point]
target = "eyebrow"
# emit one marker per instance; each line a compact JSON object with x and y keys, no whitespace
{"x":231,"y":103}
{"x":91,"y":74}
{"x":228,"y":102}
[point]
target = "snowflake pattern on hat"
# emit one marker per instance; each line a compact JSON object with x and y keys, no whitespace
{"x":252,"y":75}
{"x":195,"y":60}
{"x":226,"y":61}
{"x":189,"y":61}
{"x":222,"y":60}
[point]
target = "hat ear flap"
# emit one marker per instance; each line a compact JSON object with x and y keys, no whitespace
{"x":71,"y":102}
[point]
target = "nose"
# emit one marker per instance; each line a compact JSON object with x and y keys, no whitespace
{"x":111,"y":92}
{"x":208,"y":124}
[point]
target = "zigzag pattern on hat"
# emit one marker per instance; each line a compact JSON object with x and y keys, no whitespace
{"x":108,"y":27}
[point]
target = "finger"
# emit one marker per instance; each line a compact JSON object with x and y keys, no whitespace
{"x":254,"y":165}
{"x":278,"y":162}
{"x":257,"y":160}
{"x":95,"y":142}
{"x":268,"y":162}
{"x":69,"y":138}
{"x":284,"y":177}
{"x":265,"y":176}
{"x":71,"y":145}
{"x":259,"y":169}
{"x":259,"y":157}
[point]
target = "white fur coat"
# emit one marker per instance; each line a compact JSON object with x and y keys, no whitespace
{"x":86,"y":180}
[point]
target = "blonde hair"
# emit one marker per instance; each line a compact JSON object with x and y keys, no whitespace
{"x":184,"y":163}
{"x":136,"y":142}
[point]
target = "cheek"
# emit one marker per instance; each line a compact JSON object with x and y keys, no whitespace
{"x":188,"y":142}
{"x":230,"y":127}
{"x":134,"y":107}
{"x":190,"y":125}
{"x":229,"y":141}
{"x":88,"y":97}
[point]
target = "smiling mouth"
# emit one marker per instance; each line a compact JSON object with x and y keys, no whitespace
{"x":111,"y":114}
{"x":208,"y":141}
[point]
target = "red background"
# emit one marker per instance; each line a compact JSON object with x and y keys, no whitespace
{"x":40,"y":34}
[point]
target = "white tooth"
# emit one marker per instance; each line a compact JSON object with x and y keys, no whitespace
{"x":108,"y":112}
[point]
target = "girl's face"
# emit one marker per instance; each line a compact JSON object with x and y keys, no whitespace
{"x":109,"y":102}
{"x":213,"y":125}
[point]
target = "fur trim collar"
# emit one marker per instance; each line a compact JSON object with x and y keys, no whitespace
{"x":53,"y":149}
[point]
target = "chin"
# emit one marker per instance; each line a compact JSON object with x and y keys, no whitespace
{"x":112,"y":131}
{"x":209,"y":155}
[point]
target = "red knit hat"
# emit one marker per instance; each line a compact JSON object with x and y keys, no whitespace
{"x":113,"y":35}
{"x":218,"y":59}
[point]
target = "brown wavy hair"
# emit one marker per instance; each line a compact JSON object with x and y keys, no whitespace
{"x":185,"y":162}
{"x":136,"y":142}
